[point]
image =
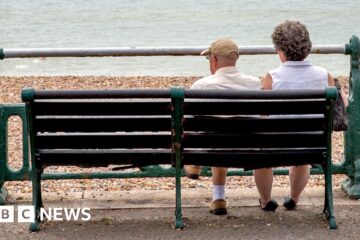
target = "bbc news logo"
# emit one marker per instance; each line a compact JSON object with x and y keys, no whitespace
{"x":27,"y":214}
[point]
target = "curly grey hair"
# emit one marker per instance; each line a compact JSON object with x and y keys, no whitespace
{"x":292,"y":38}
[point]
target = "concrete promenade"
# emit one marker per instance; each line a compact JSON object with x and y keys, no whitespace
{"x":149,"y":215}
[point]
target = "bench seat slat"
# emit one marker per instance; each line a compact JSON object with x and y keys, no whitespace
{"x":107,"y":141}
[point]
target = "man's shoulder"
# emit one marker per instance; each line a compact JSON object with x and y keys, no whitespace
{"x":202,"y":82}
{"x":246,"y":81}
{"x":248,"y":77}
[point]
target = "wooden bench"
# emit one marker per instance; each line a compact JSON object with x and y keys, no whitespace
{"x":244,"y":129}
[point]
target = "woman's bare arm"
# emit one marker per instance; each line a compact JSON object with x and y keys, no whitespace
{"x":267,"y":82}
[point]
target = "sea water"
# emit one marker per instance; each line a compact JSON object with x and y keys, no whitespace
{"x":165,"y":23}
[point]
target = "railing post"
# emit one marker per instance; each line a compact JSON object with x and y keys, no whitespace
{"x":6,"y":173}
{"x":177,"y":100}
{"x":351,"y":184}
{"x":3,"y":154}
{"x":2,"y":54}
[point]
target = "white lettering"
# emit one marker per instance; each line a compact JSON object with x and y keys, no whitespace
{"x":26,"y":214}
{"x":45,"y":214}
{"x":72,"y":213}
{"x":58,"y":214}
{"x":86,"y":214}
{"x":6,"y":213}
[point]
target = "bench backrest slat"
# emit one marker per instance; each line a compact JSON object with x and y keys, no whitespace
{"x":93,"y":158}
{"x":254,"y":140}
{"x":254,"y":159}
{"x":256,"y":124}
{"x":251,"y":107}
{"x":107,"y":107}
{"x":102,"y":124}
{"x":103,"y":141}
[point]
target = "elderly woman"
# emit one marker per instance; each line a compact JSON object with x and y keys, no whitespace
{"x":292,"y":43}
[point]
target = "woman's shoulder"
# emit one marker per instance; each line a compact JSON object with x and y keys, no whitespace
{"x":320,"y":69}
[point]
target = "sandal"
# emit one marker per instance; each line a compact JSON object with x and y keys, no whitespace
{"x":289,"y":203}
{"x":271,"y":206}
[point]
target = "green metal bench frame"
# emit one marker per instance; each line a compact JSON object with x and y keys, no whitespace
{"x":179,"y":153}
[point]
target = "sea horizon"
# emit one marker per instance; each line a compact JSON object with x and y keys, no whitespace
{"x":159,"y":23}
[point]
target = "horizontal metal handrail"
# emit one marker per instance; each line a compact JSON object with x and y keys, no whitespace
{"x":149,"y":51}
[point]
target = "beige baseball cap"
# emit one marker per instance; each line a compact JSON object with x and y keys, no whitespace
{"x":223,"y":47}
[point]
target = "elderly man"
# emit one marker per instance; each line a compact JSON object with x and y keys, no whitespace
{"x":222,"y":55}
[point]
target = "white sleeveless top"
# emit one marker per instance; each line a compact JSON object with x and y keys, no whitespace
{"x":298,"y":75}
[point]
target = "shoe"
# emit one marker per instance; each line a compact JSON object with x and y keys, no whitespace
{"x":289,"y":203}
{"x":271,"y":206}
{"x":218,"y":207}
{"x":192,"y":171}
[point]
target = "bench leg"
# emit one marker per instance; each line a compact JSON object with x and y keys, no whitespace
{"x":37,"y":200}
{"x":351,"y":185}
{"x":3,"y":195}
{"x":178,"y":212}
{"x":328,"y":205}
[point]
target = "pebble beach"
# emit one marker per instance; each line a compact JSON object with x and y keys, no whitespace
{"x":10,"y":91}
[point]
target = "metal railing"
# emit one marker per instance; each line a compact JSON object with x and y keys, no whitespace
{"x":147,"y":51}
{"x":350,"y":166}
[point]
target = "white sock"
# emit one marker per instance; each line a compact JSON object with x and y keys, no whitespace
{"x":218,"y":192}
